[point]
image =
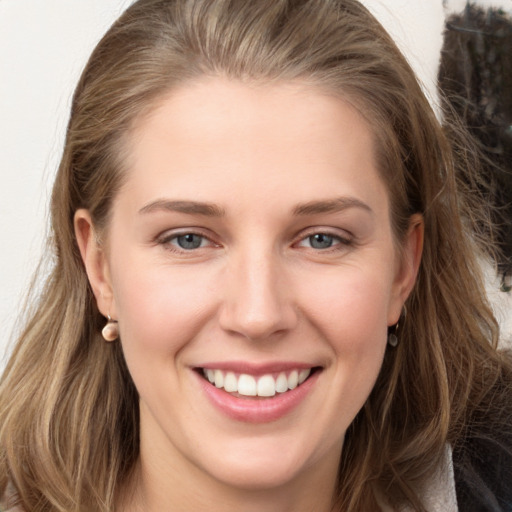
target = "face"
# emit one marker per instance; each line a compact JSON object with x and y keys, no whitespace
{"x":251,"y":265}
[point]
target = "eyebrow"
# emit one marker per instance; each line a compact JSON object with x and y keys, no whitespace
{"x":334,"y":205}
{"x":337,"y":204}
{"x":189,"y":207}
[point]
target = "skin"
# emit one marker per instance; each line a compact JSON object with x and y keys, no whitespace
{"x":275,"y":161}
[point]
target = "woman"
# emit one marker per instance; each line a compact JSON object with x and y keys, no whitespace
{"x":265,"y":295}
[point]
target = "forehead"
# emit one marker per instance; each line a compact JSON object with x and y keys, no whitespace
{"x":216,"y":136}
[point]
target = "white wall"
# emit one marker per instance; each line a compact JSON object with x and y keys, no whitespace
{"x":43,"y":47}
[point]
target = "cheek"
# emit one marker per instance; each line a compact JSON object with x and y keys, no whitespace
{"x":350,"y":308}
{"x":159,"y":307}
{"x":353,"y":322}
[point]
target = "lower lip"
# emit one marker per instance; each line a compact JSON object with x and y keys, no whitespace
{"x":257,"y":410}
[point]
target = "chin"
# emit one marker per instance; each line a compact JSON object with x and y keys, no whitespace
{"x":256,"y":477}
{"x":262,"y":466}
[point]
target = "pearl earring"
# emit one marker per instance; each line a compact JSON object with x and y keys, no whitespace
{"x":111,"y":331}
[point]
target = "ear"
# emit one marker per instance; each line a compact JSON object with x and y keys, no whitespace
{"x":408,"y":266}
{"x":95,"y":261}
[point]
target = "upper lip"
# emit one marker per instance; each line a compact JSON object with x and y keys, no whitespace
{"x":256,"y":368}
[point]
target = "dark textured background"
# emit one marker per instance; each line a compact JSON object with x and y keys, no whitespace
{"x":476,"y":76}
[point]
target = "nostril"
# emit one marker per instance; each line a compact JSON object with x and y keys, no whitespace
{"x":256,"y":304}
{"x":257,"y":325}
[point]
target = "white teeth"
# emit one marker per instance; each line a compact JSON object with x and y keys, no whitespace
{"x":219,"y":379}
{"x":247,"y":385}
{"x":303,"y":375}
{"x":264,"y":386}
{"x":293,"y":379}
{"x":231,"y":383}
{"x":281,"y":383}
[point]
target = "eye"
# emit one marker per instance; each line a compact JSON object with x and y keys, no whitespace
{"x":184,"y":241}
{"x":323,"y":241}
{"x":189,"y":241}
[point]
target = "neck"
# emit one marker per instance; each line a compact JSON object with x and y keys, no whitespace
{"x":146,"y":497}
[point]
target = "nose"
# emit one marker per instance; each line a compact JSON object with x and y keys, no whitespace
{"x":257,"y":302}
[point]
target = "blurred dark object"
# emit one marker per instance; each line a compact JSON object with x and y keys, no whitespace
{"x":476,"y":77}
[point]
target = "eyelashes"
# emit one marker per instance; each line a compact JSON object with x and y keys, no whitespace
{"x":191,"y":242}
{"x":323,"y":241}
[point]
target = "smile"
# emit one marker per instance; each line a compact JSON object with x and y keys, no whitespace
{"x":248,"y":385}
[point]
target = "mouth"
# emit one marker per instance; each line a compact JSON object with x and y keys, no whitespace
{"x":250,"y":386}
{"x":257,"y":394}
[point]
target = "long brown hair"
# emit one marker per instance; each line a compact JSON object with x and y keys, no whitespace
{"x":68,"y":407}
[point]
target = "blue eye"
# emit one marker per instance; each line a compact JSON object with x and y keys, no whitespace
{"x":321,"y":241}
{"x":189,"y":241}
{"x":324,"y":241}
{"x":185,"y":243}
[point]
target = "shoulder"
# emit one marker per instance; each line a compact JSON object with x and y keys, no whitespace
{"x":483,"y":475}
{"x":482,"y":461}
